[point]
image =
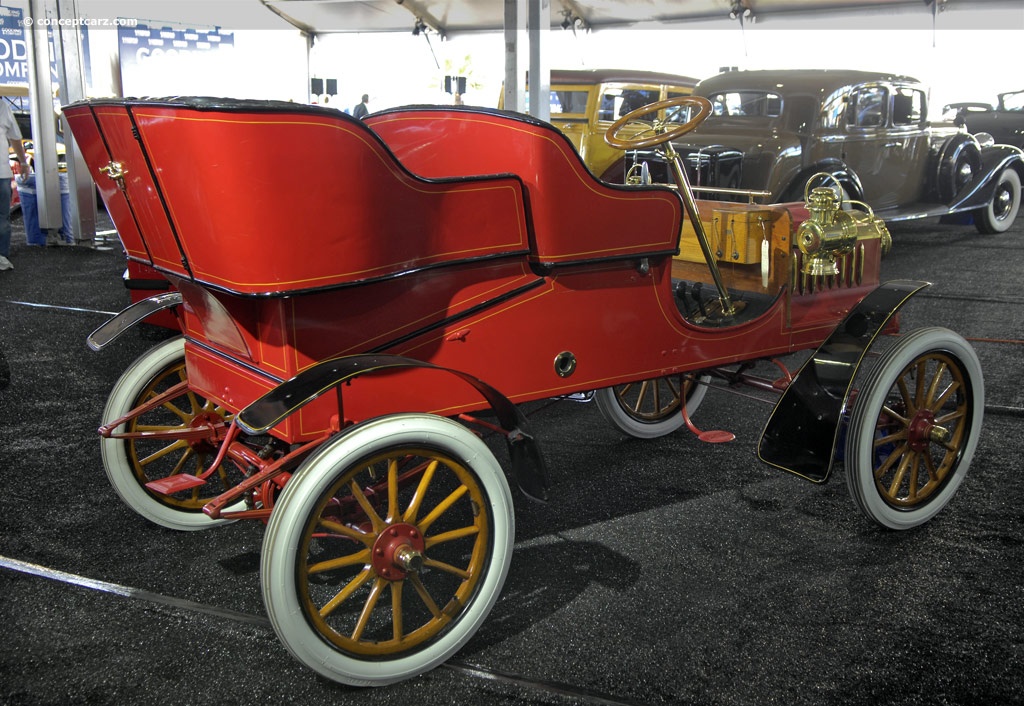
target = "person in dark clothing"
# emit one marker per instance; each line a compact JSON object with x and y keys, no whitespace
{"x":361,"y":111}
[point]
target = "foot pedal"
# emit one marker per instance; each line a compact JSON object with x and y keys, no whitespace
{"x":175,"y":484}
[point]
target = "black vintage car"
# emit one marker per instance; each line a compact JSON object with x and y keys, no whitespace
{"x":1004,"y":121}
{"x":772,"y":130}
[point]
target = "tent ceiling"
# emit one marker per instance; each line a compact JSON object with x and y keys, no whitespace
{"x":453,"y":16}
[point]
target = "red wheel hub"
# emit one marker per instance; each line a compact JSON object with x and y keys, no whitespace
{"x":397,"y":551}
{"x":919,"y":434}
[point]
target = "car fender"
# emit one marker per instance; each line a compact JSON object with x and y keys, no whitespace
{"x":837,"y":168}
{"x":528,"y":468}
{"x":802,"y":433}
{"x":129,"y":317}
{"x":945,"y":161}
{"x":994,"y":159}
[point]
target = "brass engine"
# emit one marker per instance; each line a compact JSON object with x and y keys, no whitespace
{"x":831,"y":231}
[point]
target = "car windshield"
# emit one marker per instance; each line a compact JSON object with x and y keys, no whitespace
{"x":616,"y":101}
{"x":569,"y":102}
{"x":747,"y":104}
{"x":1013,"y":101}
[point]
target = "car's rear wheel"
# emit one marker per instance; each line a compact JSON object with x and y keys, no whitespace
{"x":387,"y":549}
{"x":1001,"y":211}
{"x":651,"y":408}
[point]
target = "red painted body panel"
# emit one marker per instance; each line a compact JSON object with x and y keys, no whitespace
{"x":87,"y":134}
{"x":400,"y":246}
{"x":575,"y":217}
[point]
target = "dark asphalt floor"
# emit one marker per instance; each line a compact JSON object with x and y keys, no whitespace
{"x":661,"y":572}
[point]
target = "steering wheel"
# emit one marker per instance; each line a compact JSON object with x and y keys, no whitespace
{"x":657,"y":132}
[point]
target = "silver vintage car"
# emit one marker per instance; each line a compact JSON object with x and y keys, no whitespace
{"x":772,"y":130}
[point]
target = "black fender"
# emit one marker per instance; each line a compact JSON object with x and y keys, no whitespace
{"x":946,"y":161}
{"x":802,"y":432}
{"x":528,"y":468}
{"x":843,"y":174}
{"x":130,"y":316}
{"x":994,"y":160}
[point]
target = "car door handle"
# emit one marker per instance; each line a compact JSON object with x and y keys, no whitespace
{"x":893,"y":144}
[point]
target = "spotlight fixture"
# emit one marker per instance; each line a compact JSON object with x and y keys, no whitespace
{"x":738,"y":10}
{"x":573,"y":22}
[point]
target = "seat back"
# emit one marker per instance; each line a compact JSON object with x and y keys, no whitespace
{"x":575,"y":217}
{"x":272,"y":198}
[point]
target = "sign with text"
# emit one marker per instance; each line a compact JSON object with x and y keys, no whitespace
{"x":13,"y":47}
{"x":169,"y":60}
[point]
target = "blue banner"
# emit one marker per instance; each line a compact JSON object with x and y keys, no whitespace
{"x":141,"y":43}
{"x":13,"y":47}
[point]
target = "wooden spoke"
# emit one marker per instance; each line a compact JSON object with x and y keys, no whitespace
{"x":895,"y":415}
{"x":348,"y":532}
{"x":393,"y":512}
{"x":371,"y":603}
{"x":900,"y":435}
{"x":179,"y":445}
{"x":360,"y":557}
{"x":195,"y":405}
{"x":950,"y":390}
{"x":447,"y":568}
{"x":345,"y":593}
{"x":442,"y":507}
{"x":424,"y":595}
{"x":451,"y":535}
{"x":901,"y":384}
{"x":371,"y":514}
{"x":892,"y":458}
{"x":933,"y":388}
{"x":185,"y":417}
{"x":901,"y":472}
{"x":421,"y":491}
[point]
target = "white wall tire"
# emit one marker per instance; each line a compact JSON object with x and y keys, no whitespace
{"x":914,"y":428}
{"x":651,"y":408}
{"x":326,"y":560}
{"x":1001,"y":212}
{"x":126,"y":462}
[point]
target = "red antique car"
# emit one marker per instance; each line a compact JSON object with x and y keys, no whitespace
{"x":341,"y":359}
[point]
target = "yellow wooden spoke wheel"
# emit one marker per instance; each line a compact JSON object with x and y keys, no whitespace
{"x":161,"y":452}
{"x":387,"y":549}
{"x":914,"y":428}
{"x":647,"y":409}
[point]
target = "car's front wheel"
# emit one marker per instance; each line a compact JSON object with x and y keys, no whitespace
{"x":914,"y":428}
{"x":1001,"y":211}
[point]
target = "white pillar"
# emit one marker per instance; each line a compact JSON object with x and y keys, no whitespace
{"x":515,"y":39}
{"x":540,"y":70}
{"x":71,"y":70}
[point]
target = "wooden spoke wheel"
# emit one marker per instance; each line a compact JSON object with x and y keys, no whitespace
{"x":651,"y":408}
{"x":914,"y":428}
{"x":387,"y":549}
{"x":130,"y":463}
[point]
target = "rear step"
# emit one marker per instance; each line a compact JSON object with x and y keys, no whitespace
{"x":175,"y":484}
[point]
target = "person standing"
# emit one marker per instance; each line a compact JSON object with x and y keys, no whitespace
{"x":34,"y":234}
{"x":12,"y":135}
{"x":361,"y":111}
